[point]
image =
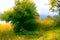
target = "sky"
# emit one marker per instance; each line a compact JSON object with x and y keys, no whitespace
{"x":6,"y":4}
{"x":41,"y":6}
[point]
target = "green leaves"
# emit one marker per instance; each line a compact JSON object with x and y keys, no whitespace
{"x":32,"y":25}
{"x":21,"y":16}
{"x":53,"y":4}
{"x":7,"y":15}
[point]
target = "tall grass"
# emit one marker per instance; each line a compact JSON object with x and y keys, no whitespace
{"x":6,"y":32}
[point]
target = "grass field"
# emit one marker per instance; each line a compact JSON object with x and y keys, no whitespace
{"x":7,"y":34}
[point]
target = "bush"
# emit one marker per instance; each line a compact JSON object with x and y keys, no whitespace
{"x":32,"y":25}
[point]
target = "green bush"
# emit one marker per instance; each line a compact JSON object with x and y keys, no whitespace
{"x":32,"y":25}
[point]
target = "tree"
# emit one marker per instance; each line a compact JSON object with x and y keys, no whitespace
{"x":55,"y":5}
{"x":23,"y":11}
{"x":56,"y":18}
{"x":7,"y":15}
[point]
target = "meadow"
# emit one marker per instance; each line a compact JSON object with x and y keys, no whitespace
{"x":6,"y":32}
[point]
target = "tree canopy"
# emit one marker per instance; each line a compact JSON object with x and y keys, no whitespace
{"x":55,"y":6}
{"x":20,"y":14}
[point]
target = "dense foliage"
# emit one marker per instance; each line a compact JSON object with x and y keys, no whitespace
{"x":22,"y":16}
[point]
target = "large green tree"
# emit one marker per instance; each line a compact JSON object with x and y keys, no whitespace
{"x":23,"y":16}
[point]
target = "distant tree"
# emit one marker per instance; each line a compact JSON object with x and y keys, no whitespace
{"x":57,"y":21}
{"x":55,"y":6}
{"x":19,"y":16}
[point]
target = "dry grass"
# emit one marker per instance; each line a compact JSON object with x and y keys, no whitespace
{"x":47,"y":23}
{"x":5,"y":27}
{"x":6,"y":34}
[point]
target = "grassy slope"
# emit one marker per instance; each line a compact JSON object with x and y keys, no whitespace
{"x":6,"y":34}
